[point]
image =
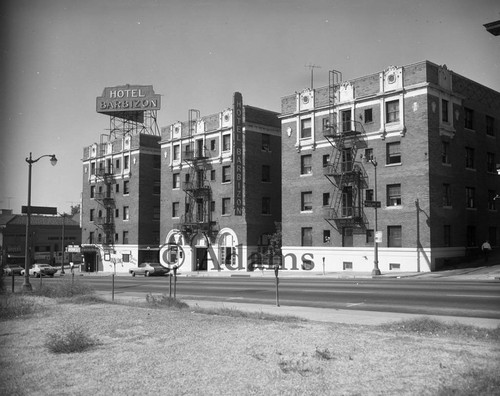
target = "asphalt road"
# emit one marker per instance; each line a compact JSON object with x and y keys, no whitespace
{"x":480,"y":299}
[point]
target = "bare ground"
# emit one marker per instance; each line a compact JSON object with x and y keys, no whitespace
{"x":145,"y":351}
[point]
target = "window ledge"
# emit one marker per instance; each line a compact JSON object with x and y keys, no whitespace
{"x":395,"y":164}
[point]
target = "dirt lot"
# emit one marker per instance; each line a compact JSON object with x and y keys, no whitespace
{"x":147,"y":351}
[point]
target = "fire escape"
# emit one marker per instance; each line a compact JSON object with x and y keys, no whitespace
{"x":347,"y":176}
{"x":197,"y":189}
{"x":105,"y":180}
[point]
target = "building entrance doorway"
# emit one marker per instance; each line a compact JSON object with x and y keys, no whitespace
{"x":201,"y":259}
{"x":90,"y":264}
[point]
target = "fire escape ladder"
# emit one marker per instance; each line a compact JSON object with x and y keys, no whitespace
{"x":345,"y":173}
{"x":197,"y":189}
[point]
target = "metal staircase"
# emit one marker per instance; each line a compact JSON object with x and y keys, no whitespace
{"x":345,"y":173}
{"x":198,"y":192}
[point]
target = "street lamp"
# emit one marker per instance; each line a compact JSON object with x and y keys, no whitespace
{"x":27,"y":255}
{"x":375,"y":270}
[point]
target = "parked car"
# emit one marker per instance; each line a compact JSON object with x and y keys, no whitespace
{"x":12,"y":269}
{"x":149,"y":269}
{"x":39,"y":270}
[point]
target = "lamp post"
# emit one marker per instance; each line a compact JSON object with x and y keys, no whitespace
{"x":375,"y":270}
{"x":62,"y":243}
{"x":27,"y":254}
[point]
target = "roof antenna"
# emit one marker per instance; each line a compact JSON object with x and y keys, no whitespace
{"x":312,"y":67}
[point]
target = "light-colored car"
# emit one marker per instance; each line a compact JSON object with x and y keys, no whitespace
{"x":149,"y":269}
{"x":12,"y":269}
{"x":39,"y":270}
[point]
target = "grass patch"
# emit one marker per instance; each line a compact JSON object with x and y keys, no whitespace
{"x":474,"y":382}
{"x":13,"y":306}
{"x":235,"y":313}
{"x":323,"y":354}
{"x":64,"y":288}
{"x":164,"y":301}
{"x":432,"y":327}
{"x":72,"y":339}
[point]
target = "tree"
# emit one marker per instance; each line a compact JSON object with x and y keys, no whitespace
{"x":75,"y":209}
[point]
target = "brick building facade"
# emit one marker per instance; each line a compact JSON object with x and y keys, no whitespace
{"x":221,"y":186}
{"x":434,"y":137}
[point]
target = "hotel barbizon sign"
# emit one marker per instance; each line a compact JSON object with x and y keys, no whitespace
{"x":238,"y":153}
{"x":127,"y":98}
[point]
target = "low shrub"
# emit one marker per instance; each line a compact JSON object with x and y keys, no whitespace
{"x":17,"y":305}
{"x":236,"y":313}
{"x":70,"y":340}
{"x":473,"y":382}
{"x":163,"y":301}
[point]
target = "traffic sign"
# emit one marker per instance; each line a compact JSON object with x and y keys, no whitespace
{"x":372,"y":204}
{"x":73,"y":249}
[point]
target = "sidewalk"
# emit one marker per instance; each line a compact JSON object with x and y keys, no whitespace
{"x":478,"y":273}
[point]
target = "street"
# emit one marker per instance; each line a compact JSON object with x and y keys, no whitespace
{"x":479,"y":299}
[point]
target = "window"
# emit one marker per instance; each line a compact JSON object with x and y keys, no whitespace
{"x":368,"y":154}
{"x":468,"y":118}
{"x":305,"y":128}
{"x":266,"y":205}
{"x":326,"y":199}
{"x":176,"y":152}
{"x":126,"y":214}
{"x":326,"y":236}
{"x":91,"y":237}
{"x":446,"y":194}
{"x":470,"y":197}
{"x":212,"y":206}
{"x":125,"y":241}
{"x":447,"y":235}
{"x":370,"y":236}
{"x":326,"y":160}
{"x":369,"y":196}
{"x":306,"y":201}
{"x":394,"y":266}
{"x":306,"y":164}
{"x":491,"y":199}
{"x":326,"y":124}
{"x":225,"y":205}
{"x":212,"y":145}
{"x":266,"y":173}
{"x":117,"y":165}
{"x":469,"y":157}
{"x":125,"y":187}
{"x":92,"y":191}
{"x":368,"y":116}
{"x":99,"y":238}
{"x":445,"y":152}
{"x":491,"y":163}
{"x":393,"y":153}
{"x":226,"y":174}
{"x":175,"y":209}
{"x":394,"y":236}
{"x":157,"y":188}
{"x":444,"y":110}
{"x":392,"y":111}
{"x":490,"y":126}
{"x":126,"y":162}
{"x":176,"y":180}
{"x":346,"y":120}
{"x":394,"y":195}
{"x":212,"y":174}
{"x":117,"y":212}
{"x":117,"y":188}
{"x":347,"y":265}
{"x":226,"y":142}
{"x":306,"y":236}
{"x":92,"y":215}
{"x":116,"y":237}
{"x":266,"y":142}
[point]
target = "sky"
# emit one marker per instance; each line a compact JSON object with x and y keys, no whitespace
{"x":59,"y":55}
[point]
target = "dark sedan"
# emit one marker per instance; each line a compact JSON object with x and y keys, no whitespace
{"x":149,"y":269}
